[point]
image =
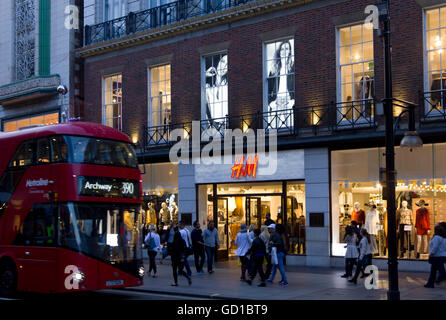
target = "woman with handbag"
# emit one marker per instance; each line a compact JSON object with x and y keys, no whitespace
{"x":152,"y":242}
{"x":437,"y":256}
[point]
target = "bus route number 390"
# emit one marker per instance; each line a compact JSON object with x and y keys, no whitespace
{"x":127,"y":188}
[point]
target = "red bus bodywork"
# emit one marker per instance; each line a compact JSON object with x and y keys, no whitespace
{"x":43,"y":269}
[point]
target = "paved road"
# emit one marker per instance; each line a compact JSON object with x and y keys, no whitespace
{"x":100,"y":295}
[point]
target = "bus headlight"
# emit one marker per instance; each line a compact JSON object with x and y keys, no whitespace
{"x":141,"y":271}
{"x":78,"y":276}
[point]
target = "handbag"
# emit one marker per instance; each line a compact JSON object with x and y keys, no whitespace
{"x":165,"y":252}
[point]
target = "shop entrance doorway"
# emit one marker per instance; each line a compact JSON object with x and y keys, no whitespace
{"x":232,"y":211}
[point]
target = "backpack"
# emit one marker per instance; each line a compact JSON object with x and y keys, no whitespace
{"x":151,"y":243}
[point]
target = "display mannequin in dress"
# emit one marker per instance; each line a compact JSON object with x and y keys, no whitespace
{"x":371,"y":222}
{"x":358,"y":215}
{"x":404,"y":221}
{"x":165,"y":214}
{"x":423,"y":226}
{"x":151,"y":215}
{"x":174,"y":211}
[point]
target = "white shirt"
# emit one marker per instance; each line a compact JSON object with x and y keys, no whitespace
{"x":365,"y":248}
{"x":185,"y":234}
{"x":156,"y":238}
{"x":371,"y":220}
{"x":243,"y":242}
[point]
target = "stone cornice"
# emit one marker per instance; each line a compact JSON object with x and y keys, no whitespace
{"x":28,"y":87}
{"x":193,"y":24}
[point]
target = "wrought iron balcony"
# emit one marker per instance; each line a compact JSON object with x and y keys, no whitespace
{"x":155,"y":17}
{"x":297,"y":122}
{"x":434,"y":104}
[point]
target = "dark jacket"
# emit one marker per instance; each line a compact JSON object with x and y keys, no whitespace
{"x":197,"y":236}
{"x":276,"y":241}
{"x":258,"y":247}
{"x":178,"y":248}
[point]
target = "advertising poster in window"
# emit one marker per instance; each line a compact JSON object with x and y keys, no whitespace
{"x":216,"y":72}
{"x":280,"y":75}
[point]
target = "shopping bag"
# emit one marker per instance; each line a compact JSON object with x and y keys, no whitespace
{"x":274,"y":259}
{"x":239,"y":263}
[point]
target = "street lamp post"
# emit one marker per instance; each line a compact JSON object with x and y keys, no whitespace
{"x":393,"y":292}
{"x":411,"y":140}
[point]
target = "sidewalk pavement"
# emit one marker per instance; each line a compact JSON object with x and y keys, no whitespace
{"x":305,"y":283}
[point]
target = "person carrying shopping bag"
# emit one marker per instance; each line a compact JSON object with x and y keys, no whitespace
{"x":277,"y":255}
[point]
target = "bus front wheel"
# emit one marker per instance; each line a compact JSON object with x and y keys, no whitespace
{"x":8,"y":279}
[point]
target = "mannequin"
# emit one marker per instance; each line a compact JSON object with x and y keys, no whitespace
{"x":358,"y":215}
{"x":174,"y":211}
{"x":371,"y":222}
{"x":151,"y":215}
{"x":422,"y":224}
{"x":165,"y":214}
{"x":404,"y":222}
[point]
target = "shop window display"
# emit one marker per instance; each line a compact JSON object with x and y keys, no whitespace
{"x":420,"y":197}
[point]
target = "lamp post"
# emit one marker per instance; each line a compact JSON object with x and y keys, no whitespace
{"x":411,"y":140}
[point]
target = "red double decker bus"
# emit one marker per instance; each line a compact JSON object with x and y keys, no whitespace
{"x":70,"y":197}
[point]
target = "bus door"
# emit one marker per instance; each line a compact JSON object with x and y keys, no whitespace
{"x":38,"y":254}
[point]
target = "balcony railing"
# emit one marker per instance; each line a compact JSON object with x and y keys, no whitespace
{"x":434,"y":103}
{"x":155,"y":17}
{"x":300,"y":122}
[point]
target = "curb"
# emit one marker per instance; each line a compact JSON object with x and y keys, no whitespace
{"x":192,"y":295}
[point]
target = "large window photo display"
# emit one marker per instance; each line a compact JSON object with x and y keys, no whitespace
{"x":280,"y":82}
{"x":358,"y":196}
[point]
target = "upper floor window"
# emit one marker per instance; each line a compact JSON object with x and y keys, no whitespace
{"x":112,"y":105}
{"x":355,"y":72}
{"x":435,"y":70}
{"x":279,"y":82}
{"x":114,"y":9}
{"x":215,"y":69}
{"x":159,"y":96}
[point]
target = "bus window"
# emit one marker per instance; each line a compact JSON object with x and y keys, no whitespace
{"x":102,"y":152}
{"x":39,"y":227}
{"x":43,"y":151}
{"x":23,"y":156}
{"x":59,"y":149}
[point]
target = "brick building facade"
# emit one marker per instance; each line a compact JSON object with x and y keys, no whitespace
{"x":329,"y":122}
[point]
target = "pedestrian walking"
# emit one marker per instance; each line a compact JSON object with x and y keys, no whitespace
{"x":185,"y":234}
{"x":351,"y":254}
{"x":177,"y":254}
{"x":277,"y":250}
{"x":281,"y":229}
{"x":243,"y":242}
{"x":437,"y":256}
{"x":264,"y":235}
{"x":365,"y":255}
{"x":251,"y":231}
{"x":153,"y":244}
{"x":211,"y":243}
{"x":198,"y":247}
{"x":258,"y":253}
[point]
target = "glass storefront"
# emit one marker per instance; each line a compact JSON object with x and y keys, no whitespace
{"x":250,"y":203}
{"x":160,"y":194}
{"x":358,"y":195}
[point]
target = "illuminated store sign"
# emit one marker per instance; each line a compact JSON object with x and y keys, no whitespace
{"x":241,"y":168}
{"x":108,"y":187}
